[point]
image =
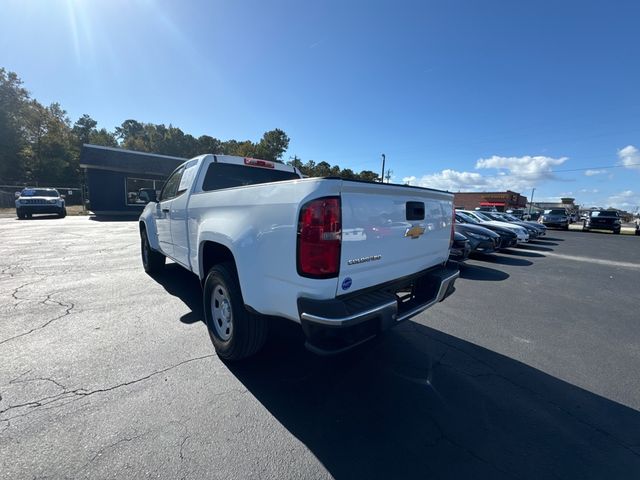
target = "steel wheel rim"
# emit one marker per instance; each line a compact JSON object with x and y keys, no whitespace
{"x":221,"y":312}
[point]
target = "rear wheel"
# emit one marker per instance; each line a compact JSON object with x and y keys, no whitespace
{"x":152,"y":261}
{"x":235,"y":332}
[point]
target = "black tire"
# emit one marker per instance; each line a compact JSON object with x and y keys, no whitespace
{"x":616,"y":232}
{"x":29,"y":215}
{"x":566,"y":227}
{"x":21,"y":215}
{"x":152,"y":261}
{"x":241,"y":333}
{"x":63,"y":213}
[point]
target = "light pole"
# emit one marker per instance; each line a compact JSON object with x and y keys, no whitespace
{"x":382,"y":175}
{"x":531,"y":201}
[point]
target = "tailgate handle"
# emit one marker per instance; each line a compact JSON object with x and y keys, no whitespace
{"x":415,"y":211}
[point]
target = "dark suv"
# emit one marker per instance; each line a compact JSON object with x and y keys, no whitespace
{"x":602,"y":220}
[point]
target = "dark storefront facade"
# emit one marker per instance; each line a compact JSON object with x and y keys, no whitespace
{"x":121,"y":182}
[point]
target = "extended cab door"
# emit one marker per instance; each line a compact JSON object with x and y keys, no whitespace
{"x":162,"y":214}
{"x":178,"y":215}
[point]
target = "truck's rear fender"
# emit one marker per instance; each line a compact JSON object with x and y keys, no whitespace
{"x":213,"y":253}
{"x":147,"y":223}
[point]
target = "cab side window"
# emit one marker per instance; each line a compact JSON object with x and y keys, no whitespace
{"x":170,"y":189}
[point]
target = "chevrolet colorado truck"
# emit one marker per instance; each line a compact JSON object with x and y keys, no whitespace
{"x":344,"y":259}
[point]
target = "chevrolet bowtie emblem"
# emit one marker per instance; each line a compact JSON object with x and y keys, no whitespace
{"x":414,"y":232}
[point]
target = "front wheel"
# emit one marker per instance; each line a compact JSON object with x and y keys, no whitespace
{"x":21,"y":215}
{"x":235,"y":332}
{"x":152,"y":261}
{"x":63,"y":213}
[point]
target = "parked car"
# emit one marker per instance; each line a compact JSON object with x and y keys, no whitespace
{"x":31,"y":201}
{"x":266,"y":242}
{"x":481,"y":240}
{"x":603,"y":220}
{"x":555,"y":217}
{"x":508,"y":238}
{"x":500,"y":217}
{"x":523,"y":235}
{"x":538,"y":229}
{"x":460,"y":248}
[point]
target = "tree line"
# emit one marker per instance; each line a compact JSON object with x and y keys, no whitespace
{"x":40,"y":143}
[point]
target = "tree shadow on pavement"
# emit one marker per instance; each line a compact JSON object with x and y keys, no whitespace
{"x":418,"y":403}
{"x":521,"y":253}
{"x":543,"y":242}
{"x":183,"y":284}
{"x":476,"y":272}
{"x":502,"y":260}
{"x":529,"y":246}
{"x":113,"y":218}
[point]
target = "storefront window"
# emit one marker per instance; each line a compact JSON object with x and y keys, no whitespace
{"x":141,"y":191}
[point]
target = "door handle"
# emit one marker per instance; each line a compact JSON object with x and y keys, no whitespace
{"x":165,"y":210}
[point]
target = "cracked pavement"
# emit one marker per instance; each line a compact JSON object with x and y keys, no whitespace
{"x":528,"y":371}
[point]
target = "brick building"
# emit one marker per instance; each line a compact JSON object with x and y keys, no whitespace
{"x":501,"y":200}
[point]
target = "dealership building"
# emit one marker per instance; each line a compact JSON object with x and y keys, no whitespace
{"x":121,"y":182}
{"x":502,"y":201}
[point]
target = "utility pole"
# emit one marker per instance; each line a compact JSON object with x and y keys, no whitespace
{"x":388,"y":175}
{"x":382,"y":176}
{"x":531,"y":201}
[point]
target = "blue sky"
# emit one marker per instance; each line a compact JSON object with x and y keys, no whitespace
{"x":463,"y":95}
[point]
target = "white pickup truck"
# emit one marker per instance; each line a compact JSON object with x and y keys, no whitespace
{"x":345,"y":259}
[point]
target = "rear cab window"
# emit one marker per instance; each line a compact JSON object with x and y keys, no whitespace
{"x":228,"y":175}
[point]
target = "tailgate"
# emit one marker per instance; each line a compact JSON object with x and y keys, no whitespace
{"x":391,"y":231}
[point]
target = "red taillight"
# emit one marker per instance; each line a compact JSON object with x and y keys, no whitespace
{"x":319,"y":238}
{"x":254,"y":162}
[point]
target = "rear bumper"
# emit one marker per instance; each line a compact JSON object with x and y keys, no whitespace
{"x":602,"y":227}
{"x":338,"y":324}
{"x":556,"y":224}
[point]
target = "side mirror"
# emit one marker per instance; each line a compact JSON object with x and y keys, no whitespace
{"x":63,"y":196}
{"x":17,"y":194}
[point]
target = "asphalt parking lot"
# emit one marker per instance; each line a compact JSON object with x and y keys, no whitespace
{"x":530,"y":370}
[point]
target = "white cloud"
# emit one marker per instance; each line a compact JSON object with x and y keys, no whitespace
{"x":514,"y":173}
{"x":629,"y":157}
{"x":586,"y":190}
{"x":409,"y":180}
{"x":591,"y":173}
{"x":626,"y":200}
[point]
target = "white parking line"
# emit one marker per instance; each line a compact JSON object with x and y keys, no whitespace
{"x":584,"y":259}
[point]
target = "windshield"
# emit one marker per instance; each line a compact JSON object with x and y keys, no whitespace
{"x":605,"y":213}
{"x":555,"y":211}
{"x":465,"y":218}
{"x":482,"y":216}
{"x":495,"y":216}
{"x":39,"y":192}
